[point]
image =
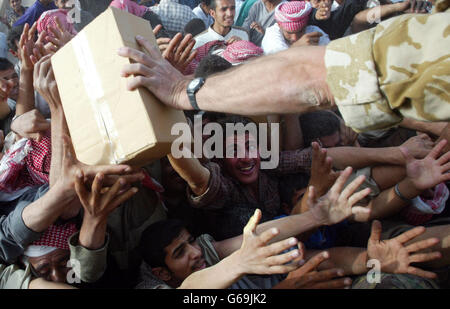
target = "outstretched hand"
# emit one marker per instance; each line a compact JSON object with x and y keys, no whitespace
{"x":396,"y":257}
{"x":153,"y":72}
{"x":308,"y":277}
{"x":322,"y":175}
{"x":71,"y":167}
{"x":337,"y":204}
{"x":26,"y":46}
{"x":45,"y":83}
{"x":257,"y":256}
{"x":431,"y":170}
{"x":100,"y":201}
{"x":179,"y":51}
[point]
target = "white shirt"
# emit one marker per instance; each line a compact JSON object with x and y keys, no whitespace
{"x":211,"y":35}
{"x":207,"y":19}
{"x":274,"y":40}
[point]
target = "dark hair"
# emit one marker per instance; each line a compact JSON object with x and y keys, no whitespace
{"x":206,"y":2}
{"x":318,"y":124}
{"x":213,"y":5}
{"x":194,"y":26}
{"x":235,"y":119}
{"x":13,"y":36}
{"x":211,"y":64}
{"x":5,"y":64}
{"x":156,"y":237}
{"x":289,"y":184}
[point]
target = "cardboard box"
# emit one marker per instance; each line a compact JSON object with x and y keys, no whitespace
{"x":109,"y":124}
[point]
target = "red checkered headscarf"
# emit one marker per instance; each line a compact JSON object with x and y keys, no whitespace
{"x":48,"y":19}
{"x":293,"y":16}
{"x":241,"y":51}
{"x":56,"y":236}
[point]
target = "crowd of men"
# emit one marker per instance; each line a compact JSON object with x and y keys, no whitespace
{"x":362,"y":179}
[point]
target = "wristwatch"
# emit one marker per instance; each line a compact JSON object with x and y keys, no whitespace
{"x":192,"y":89}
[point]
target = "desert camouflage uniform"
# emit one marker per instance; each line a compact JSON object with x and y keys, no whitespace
{"x":400,"y":68}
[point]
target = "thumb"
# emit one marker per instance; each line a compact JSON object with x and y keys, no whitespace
{"x":250,"y":228}
{"x":153,"y":51}
{"x":157,"y":29}
{"x":375,"y":234}
{"x":406,"y":154}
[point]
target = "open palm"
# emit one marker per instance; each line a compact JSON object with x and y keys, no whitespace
{"x":396,"y":257}
{"x":431,"y":170}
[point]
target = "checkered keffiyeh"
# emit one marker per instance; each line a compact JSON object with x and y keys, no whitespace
{"x":48,"y":19}
{"x":422,"y":209}
{"x":57,"y":236}
{"x":174,"y":16}
{"x":26,"y":163}
{"x":241,"y":51}
{"x":293,"y":16}
{"x":202,"y":52}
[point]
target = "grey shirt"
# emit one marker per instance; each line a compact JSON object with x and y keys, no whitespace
{"x":15,"y":236}
{"x":258,"y":13}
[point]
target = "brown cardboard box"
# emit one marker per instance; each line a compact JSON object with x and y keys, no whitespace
{"x":109,"y":124}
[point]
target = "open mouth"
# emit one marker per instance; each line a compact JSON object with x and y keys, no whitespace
{"x":247,"y":169}
{"x":200,"y":265}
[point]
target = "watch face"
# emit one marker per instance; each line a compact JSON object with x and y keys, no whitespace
{"x":195,"y":83}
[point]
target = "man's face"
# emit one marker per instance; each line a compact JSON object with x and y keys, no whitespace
{"x":292,"y":37}
{"x":184,"y":256}
{"x":246,"y":169}
{"x":52,"y":266}
{"x":15,"y":4}
{"x":224,"y":13}
{"x":11,"y":75}
{"x":321,"y":3}
{"x":60,"y":3}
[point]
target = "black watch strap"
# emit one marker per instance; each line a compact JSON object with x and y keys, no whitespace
{"x":192,"y":88}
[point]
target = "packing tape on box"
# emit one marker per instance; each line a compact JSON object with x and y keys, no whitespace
{"x":100,"y":107}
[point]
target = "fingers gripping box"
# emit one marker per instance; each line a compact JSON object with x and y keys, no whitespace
{"x":109,"y":124}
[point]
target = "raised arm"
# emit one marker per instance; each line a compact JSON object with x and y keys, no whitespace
{"x":420,"y":175}
{"x":329,"y":209}
{"x":394,"y":255}
{"x":255,"y":256}
{"x":193,"y":172}
{"x":297,"y":78}
{"x":359,"y":157}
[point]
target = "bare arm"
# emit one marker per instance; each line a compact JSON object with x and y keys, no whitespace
{"x":357,"y":157}
{"x":297,"y":77}
{"x":45,"y":84}
{"x":257,"y":255}
{"x":433,"y":128}
{"x":25,"y":101}
{"x":39,"y":215}
{"x":420,"y":175}
{"x":193,"y":172}
{"x":329,"y":209}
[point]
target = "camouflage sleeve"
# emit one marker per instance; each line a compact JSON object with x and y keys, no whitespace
{"x":398,"y":69}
